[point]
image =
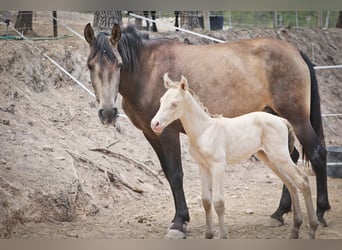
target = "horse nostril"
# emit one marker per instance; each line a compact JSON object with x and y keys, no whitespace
{"x":156,"y":124}
{"x":115,"y":111}
{"x":101,"y":113}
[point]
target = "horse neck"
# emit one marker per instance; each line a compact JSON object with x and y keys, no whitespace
{"x":194,"y":119}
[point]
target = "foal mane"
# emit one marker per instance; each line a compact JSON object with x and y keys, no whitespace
{"x":192,"y":93}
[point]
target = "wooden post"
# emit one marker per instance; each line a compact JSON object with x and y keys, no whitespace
{"x":275,"y":19}
{"x":206,"y":21}
{"x":54,"y":14}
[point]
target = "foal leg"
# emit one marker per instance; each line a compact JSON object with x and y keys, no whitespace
{"x":206,"y":180}
{"x":302,"y":182}
{"x":218,"y":195}
{"x":281,"y":169}
{"x":285,"y":200}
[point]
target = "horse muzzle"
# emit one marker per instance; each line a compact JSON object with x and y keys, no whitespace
{"x":108,"y":116}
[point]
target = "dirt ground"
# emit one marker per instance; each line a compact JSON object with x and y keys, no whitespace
{"x":64,"y":175}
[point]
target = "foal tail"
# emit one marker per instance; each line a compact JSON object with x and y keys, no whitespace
{"x":315,"y":105}
{"x":291,"y":135}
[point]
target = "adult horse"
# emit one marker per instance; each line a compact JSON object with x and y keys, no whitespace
{"x":231,"y":79}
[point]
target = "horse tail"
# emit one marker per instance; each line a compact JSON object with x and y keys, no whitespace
{"x":315,"y":102}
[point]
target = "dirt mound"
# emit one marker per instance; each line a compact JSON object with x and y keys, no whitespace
{"x":61,"y":171}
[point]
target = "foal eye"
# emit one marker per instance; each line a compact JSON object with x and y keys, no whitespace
{"x":174,"y":104}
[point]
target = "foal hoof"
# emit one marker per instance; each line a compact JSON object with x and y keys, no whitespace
{"x":209,"y":235}
{"x":175,"y":234}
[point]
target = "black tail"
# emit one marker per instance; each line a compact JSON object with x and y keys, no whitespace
{"x":315,"y":105}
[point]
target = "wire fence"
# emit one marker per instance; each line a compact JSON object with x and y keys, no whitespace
{"x":271,"y":19}
{"x":229,"y":19}
{"x":64,"y":24}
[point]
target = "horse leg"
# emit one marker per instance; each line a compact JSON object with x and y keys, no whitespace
{"x":217,"y":171}
{"x":167,"y":147}
{"x":206,"y":180}
{"x":317,"y":154}
{"x":285,"y":200}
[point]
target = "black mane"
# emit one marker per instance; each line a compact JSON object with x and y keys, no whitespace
{"x":102,"y":47}
{"x":129,"y":47}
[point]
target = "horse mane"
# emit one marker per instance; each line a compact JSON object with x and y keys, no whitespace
{"x":102,"y":47}
{"x":129,"y":47}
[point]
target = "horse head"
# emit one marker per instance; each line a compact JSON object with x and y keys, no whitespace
{"x":104,"y":63}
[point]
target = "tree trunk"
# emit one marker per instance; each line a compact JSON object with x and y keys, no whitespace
{"x":189,"y":20}
{"x":339,"y":20}
{"x":104,"y":20}
{"x":24,"y":21}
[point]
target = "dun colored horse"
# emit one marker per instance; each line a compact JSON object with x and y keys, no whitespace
{"x":232,"y":79}
{"x":217,"y":141}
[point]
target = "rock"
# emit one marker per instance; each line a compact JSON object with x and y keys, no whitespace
{"x":249,"y":211}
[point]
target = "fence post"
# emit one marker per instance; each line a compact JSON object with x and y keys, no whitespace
{"x":206,"y":22}
{"x":327,"y":19}
{"x":320,"y":19}
{"x":230,"y":19}
{"x":54,"y":14}
{"x":275,"y":19}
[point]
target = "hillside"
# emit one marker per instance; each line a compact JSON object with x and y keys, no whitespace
{"x":64,"y":175}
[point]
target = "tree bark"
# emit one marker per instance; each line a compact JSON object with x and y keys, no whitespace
{"x":24,"y":21}
{"x":339,"y":20}
{"x":105,"y":20}
{"x":189,"y":20}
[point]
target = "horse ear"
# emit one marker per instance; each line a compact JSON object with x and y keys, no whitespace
{"x":183,"y":84}
{"x":89,"y":34}
{"x":167,"y":81}
{"x":116,"y":34}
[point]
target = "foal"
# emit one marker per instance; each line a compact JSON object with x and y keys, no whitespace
{"x":217,"y":141}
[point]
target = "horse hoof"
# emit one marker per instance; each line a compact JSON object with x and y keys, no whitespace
{"x":322,"y":221}
{"x":175,"y":234}
{"x":274,"y":222}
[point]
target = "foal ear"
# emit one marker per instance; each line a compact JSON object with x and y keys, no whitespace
{"x":183,"y":84}
{"x":116,"y":34}
{"x":89,"y":34}
{"x":167,"y":81}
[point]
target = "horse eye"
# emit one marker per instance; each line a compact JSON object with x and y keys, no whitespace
{"x":174,"y":104}
{"x":90,"y":66}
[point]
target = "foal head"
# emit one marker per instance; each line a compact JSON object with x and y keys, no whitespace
{"x":171,"y":104}
{"x":104,"y":63}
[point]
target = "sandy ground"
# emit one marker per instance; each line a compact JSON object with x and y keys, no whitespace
{"x":64,"y":175}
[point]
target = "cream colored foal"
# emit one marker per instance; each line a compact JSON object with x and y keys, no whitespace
{"x":217,"y":141}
